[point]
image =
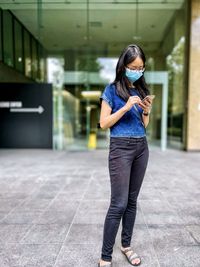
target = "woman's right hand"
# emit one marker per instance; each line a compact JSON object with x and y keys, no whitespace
{"x":132,"y":101}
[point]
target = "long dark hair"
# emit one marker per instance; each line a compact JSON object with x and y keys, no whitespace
{"x":129,"y":54}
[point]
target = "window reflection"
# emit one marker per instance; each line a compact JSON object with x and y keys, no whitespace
{"x":34,"y":64}
{"x":1,"y":52}
{"x":8,"y":38}
{"x":18,"y":46}
{"x":27,"y":53}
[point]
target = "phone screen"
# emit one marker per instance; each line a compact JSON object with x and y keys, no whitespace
{"x":149,"y":97}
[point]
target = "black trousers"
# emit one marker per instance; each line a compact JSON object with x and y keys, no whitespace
{"x":128,"y":159}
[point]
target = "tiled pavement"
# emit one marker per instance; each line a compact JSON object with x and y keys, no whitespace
{"x":53,"y":204}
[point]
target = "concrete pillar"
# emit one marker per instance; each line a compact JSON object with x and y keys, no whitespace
{"x":193,"y":126}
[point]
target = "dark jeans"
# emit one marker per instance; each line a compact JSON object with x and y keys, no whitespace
{"x":128,"y":159}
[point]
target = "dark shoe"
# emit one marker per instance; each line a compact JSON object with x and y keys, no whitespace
{"x":131,"y":257}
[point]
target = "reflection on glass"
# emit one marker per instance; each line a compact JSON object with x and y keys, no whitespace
{"x":34,"y":65}
{"x":108,"y":66}
{"x":8,"y":38}
{"x":1,"y":52}
{"x":95,"y":36}
{"x":41,"y":64}
{"x":55,"y":75}
{"x":18,"y":46}
{"x":27,"y":53}
{"x":175,"y":65}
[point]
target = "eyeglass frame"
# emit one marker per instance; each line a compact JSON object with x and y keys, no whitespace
{"x":137,"y":69}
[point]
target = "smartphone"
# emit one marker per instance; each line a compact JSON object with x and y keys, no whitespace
{"x":148,"y":97}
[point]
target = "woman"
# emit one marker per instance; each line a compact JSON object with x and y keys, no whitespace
{"x":127,"y":116}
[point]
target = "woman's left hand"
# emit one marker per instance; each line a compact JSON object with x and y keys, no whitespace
{"x":146,"y":105}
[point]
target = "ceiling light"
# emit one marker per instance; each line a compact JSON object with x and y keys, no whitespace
{"x":91,"y":94}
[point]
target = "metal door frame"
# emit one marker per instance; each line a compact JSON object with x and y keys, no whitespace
{"x":161,"y":77}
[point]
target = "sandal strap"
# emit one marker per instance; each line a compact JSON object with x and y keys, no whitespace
{"x":133,"y":256}
{"x":127,"y":250}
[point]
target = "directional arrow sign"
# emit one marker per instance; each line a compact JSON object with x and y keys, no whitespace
{"x":40,"y":110}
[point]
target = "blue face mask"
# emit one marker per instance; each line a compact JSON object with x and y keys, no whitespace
{"x":133,"y":75}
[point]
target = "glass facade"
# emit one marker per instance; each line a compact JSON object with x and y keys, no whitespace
{"x":88,"y":37}
{"x":102,"y":33}
{"x":19,"y":49}
{"x":8,"y":52}
{"x":34,"y":59}
{"x":18,"y":46}
{"x":27,"y":53}
{"x":1,"y":37}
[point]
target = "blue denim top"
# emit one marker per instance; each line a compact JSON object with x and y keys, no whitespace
{"x":130,"y":124}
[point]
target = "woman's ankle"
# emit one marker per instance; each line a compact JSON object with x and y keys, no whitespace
{"x":125,"y":247}
{"x":103,"y":262}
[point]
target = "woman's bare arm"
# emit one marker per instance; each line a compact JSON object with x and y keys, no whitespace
{"x":107,"y":119}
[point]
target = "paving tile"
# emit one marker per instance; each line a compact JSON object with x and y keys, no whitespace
{"x":78,"y":255}
{"x":64,"y":204}
{"x":33,"y":204}
{"x":194,"y":231}
{"x":72,"y":190}
{"x":6,"y":205}
{"x":159,"y":212}
{"x":46,"y":234}
{"x":188,"y":211}
{"x":148,"y":193}
{"x":27,"y":217}
{"x":182,"y":256}
{"x":12,"y":233}
{"x":70,"y":195}
{"x":173,"y":246}
{"x":25,"y":255}
{"x":170,"y":236}
{"x":84,"y":234}
{"x":162,"y":218}
{"x":14,"y":195}
{"x":46,"y":207}
{"x":45,"y":193}
{"x":3,"y":214}
{"x":98,"y":190}
{"x":55,"y":217}
{"x":92,"y":211}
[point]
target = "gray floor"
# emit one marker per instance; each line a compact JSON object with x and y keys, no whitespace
{"x":53,"y":204}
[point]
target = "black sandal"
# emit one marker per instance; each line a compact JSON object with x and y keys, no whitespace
{"x":131,"y":257}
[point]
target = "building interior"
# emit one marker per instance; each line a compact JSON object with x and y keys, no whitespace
{"x":75,"y":46}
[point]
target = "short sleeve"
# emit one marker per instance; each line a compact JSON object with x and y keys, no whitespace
{"x":107,"y":96}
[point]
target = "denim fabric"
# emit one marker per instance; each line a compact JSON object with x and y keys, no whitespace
{"x":131,"y":123}
{"x":128,"y":158}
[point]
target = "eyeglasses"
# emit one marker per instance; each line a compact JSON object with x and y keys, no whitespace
{"x":140,"y":69}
